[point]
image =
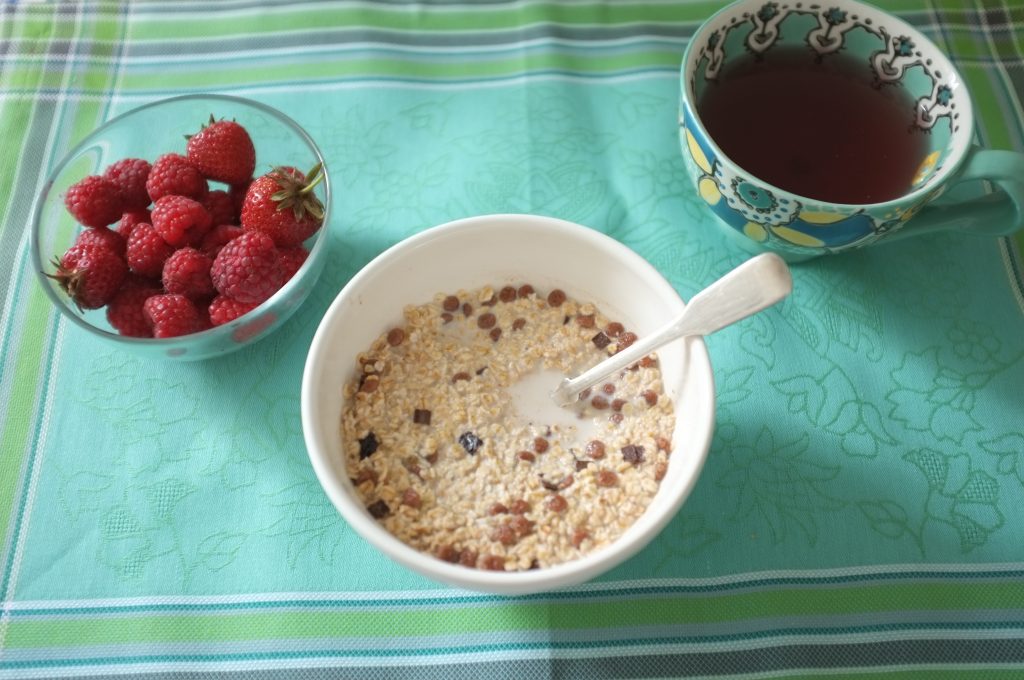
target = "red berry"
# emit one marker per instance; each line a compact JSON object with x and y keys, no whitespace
{"x":222,"y":151}
{"x":291,"y":259}
{"x":90,"y":274}
{"x":172,"y":175}
{"x":282,"y":204}
{"x":187,"y":271}
{"x":171,"y":315}
{"x":180,"y":221}
{"x":94,"y":201}
{"x":247,"y":268}
{"x":104,"y":237}
{"x":129,"y":220}
{"x":218,"y":237}
{"x":147,"y":251}
{"x":130,"y":175}
{"x":125,"y":313}
{"x":221,"y":207}
{"x":224,"y":309}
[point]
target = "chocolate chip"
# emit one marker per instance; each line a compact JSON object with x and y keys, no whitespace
{"x":582,"y":465}
{"x":421,"y":416}
{"x":472,"y":443}
{"x":601,"y":340}
{"x":632,"y":453}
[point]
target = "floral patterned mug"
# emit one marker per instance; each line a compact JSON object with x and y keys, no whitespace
{"x":763,"y":217}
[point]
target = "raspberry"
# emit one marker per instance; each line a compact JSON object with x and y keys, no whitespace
{"x":147,"y":251}
{"x":171,"y":315}
{"x":130,"y":175}
{"x":187,"y":271}
{"x":90,"y":274}
{"x":247,"y":268}
{"x":125,"y":313}
{"x":221,"y":207}
{"x":103,"y":236}
{"x":224,"y":309}
{"x":172,"y":175}
{"x":129,"y":220}
{"x":291,"y":259}
{"x":218,"y":237}
{"x":180,"y":221}
{"x":222,"y":151}
{"x":94,"y":201}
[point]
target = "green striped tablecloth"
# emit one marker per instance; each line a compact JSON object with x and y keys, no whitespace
{"x":861,"y":509}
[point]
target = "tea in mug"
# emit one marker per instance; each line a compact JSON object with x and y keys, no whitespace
{"x":821,"y":128}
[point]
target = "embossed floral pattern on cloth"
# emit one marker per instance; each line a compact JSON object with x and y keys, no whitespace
{"x":859,"y":511}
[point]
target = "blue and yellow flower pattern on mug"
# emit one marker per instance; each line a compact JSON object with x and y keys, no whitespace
{"x":798,"y":227}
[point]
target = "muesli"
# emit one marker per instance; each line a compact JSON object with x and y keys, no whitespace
{"x":451,"y":455}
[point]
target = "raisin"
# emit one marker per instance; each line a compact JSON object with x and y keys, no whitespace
{"x":411,"y":498}
{"x":396,"y":336}
{"x":614,"y":328}
{"x":379,"y":509}
{"x":448,"y":553}
{"x":606,"y":478}
{"x":540,"y":445}
{"x":556,"y":297}
{"x":624,"y":341}
{"x":608,"y":388}
{"x":520,"y":525}
{"x":631,"y":453}
{"x":497,"y":509}
{"x":495,"y":334}
{"x":421,"y":416}
{"x":617,"y":404}
{"x":650,"y":396}
{"x":504,"y":534}
{"x":367,"y":446}
{"x":412,"y":464}
{"x":432,"y":458}
{"x":584,"y":394}
{"x":467,"y":309}
{"x":601,"y":340}
{"x":467,"y":558}
{"x":664,"y":444}
{"x":450,"y":304}
{"x":518,"y":324}
{"x":550,"y":486}
{"x":527,"y":456}
{"x":471,"y":442}
{"x":585,"y":320}
{"x":615,"y":418}
{"x":600,"y":403}
{"x":525,"y":290}
{"x":579,"y":535}
{"x":566,"y":482}
{"x":557,"y":503}
{"x":461,"y":375}
{"x":507,"y":294}
{"x":648,"y":361}
{"x":659,"y":470}
{"x":494,"y":563}
{"x":365,"y":475}
{"x":491,"y":301}
{"x":446,"y":317}
{"x":370,"y":384}
{"x":594,"y":449}
{"x":486,"y":320}
{"x":519,"y":507}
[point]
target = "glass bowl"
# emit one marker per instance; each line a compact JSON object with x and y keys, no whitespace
{"x":151,"y":131}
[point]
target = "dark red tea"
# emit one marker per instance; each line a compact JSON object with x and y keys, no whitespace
{"x":821,"y":129}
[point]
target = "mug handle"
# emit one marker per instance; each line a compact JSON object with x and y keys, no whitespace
{"x":999,"y":213}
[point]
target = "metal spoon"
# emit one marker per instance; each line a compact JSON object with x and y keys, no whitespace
{"x":756,"y":284}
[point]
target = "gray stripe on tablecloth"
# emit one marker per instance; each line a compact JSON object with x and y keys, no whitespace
{"x":759,"y":632}
{"x":888,"y":654}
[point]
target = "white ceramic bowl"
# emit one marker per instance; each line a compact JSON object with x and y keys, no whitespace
{"x":497,"y":250}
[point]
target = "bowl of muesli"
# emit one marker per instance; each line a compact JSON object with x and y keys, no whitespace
{"x":427,"y":414}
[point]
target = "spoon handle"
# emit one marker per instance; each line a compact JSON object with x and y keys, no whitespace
{"x":756,"y":284}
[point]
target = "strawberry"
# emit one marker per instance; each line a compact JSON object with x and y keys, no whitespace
{"x":222,"y":150}
{"x":94,"y":201}
{"x":180,"y":221}
{"x":221,"y":207}
{"x":171,"y":315}
{"x":218,"y":237}
{"x":124,"y":311}
{"x":247,"y":268}
{"x":224,"y":309}
{"x":147,"y":251}
{"x":130,"y":175}
{"x":173,"y":175}
{"x":291,"y":259}
{"x":187,"y":271}
{"x":90,"y":274}
{"x":282,"y":204}
{"x":103,"y":236}
{"x":130,"y":219}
